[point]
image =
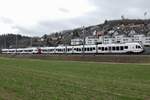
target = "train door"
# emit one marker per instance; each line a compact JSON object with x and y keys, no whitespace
{"x":96,"y":49}
{"x":39,"y":51}
{"x":109,"y":49}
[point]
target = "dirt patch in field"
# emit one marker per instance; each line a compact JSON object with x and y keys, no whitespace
{"x":7,"y":95}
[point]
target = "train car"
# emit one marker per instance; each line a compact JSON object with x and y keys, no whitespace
{"x":11,"y":51}
{"x":4,"y":51}
{"x":60,"y":49}
{"x":120,"y":48}
{"x":90,"y":49}
{"x":134,"y":48}
{"x":69,"y":49}
{"x":47,"y":50}
{"x":32,"y":50}
{"x":77,"y":49}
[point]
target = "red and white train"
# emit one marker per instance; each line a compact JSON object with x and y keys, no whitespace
{"x":86,"y":49}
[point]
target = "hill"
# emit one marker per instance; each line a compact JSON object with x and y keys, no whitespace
{"x":126,"y":26}
{"x":112,"y":28}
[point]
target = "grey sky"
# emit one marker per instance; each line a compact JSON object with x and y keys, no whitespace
{"x":71,"y":18}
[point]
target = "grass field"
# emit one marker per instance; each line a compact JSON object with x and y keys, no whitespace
{"x":29,"y":79}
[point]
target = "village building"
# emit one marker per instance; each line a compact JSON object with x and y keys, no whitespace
{"x":77,"y":41}
{"x":107,"y":39}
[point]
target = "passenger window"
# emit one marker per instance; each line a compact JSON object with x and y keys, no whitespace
{"x":85,"y":49}
{"x":138,"y":47}
{"x":80,"y":49}
{"x":117,"y":48}
{"x":121,"y":48}
{"x":91,"y":49}
{"x":126,"y":47}
{"x":102,"y":48}
{"x":69,"y":49}
{"x":113,"y":48}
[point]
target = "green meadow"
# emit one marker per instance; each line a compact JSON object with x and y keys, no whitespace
{"x":31,"y":79}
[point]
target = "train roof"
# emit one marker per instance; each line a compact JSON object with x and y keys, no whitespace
{"x":21,"y":48}
{"x":51,"y":47}
{"x":121,"y":44}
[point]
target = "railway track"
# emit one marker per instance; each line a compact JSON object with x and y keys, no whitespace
{"x":93,"y":58}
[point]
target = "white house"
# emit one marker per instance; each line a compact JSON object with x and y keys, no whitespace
{"x":126,"y":40}
{"x":91,"y":40}
{"x":76,"y":41}
{"x":108,"y":40}
{"x":132,"y":33}
{"x":119,"y":38}
{"x":138,"y":38}
{"x":146,"y":41}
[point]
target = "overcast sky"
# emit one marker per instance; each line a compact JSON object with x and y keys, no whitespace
{"x":39,"y":17}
